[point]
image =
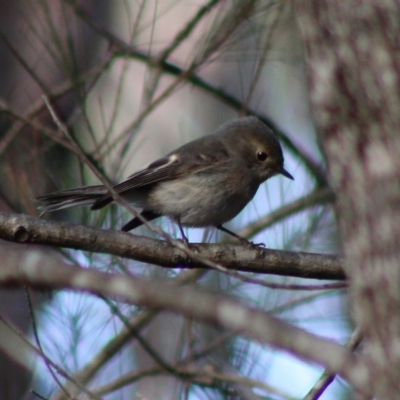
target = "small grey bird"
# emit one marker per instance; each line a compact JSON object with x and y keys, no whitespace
{"x":206,"y":182}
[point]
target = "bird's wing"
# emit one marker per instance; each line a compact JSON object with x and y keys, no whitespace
{"x":162,"y":169}
{"x":189,"y":158}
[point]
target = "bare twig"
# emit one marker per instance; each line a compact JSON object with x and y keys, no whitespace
{"x":39,"y":105}
{"x":55,"y":366}
{"x":40,"y":348}
{"x":201,"y":377}
{"x":327,"y":377}
{"x":138,"y":323}
{"x":143,"y":342}
{"x":269,"y":34}
{"x":319,"y":196}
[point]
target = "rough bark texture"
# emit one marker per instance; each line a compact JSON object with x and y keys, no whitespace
{"x":352,"y":51}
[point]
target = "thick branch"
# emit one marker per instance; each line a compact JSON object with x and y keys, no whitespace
{"x":25,"y":229}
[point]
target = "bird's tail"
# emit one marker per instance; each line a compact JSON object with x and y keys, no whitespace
{"x":83,"y":196}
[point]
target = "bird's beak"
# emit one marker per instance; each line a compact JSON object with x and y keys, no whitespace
{"x":285,"y":173}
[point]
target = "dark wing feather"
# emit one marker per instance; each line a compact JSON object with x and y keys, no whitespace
{"x":149,"y":175}
{"x":161,"y":169}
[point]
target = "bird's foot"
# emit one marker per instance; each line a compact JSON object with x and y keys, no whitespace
{"x":252,"y":245}
{"x":189,"y":246}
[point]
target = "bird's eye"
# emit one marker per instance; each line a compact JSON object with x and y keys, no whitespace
{"x":261,"y":156}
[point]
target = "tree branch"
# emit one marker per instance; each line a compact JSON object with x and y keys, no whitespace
{"x":194,"y":303}
{"x":26,"y":229}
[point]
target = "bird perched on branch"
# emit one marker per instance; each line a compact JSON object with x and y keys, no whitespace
{"x":206,"y":182}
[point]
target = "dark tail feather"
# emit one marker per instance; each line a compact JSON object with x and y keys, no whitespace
{"x":70,"y":198}
{"x":135,"y":222}
{"x":102,"y":201}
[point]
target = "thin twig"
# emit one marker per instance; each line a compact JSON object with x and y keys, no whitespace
{"x":317,"y":197}
{"x":187,"y":29}
{"x":143,"y":342}
{"x":37,"y":351}
{"x":156,"y":73}
{"x":112,"y":348}
{"x":39,"y":346}
{"x":327,"y":377}
{"x":38,"y":106}
{"x":269,"y":35}
{"x":203,"y":377}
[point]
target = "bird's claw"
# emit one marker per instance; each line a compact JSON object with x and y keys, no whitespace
{"x":252,"y":245}
{"x":190,"y":246}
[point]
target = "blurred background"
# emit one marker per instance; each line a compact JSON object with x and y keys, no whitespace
{"x":132,"y":80}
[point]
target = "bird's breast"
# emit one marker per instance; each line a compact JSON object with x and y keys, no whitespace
{"x":201,"y":200}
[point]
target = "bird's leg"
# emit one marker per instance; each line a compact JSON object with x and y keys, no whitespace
{"x":183,"y":236}
{"x":242,"y":240}
{"x":184,"y":239}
